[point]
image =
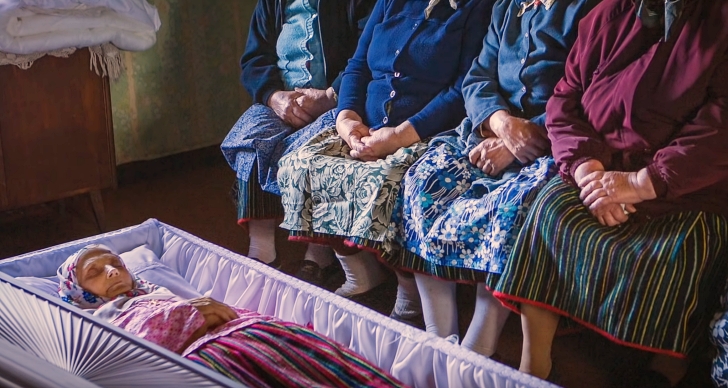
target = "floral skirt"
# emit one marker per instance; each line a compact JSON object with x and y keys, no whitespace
{"x":457,"y":222}
{"x":327,"y":194}
{"x":258,"y":140}
{"x":719,"y":338}
{"x":651,"y":285}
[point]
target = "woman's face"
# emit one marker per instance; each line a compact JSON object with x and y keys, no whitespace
{"x":103,"y":274}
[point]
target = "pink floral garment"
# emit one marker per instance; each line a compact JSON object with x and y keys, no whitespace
{"x":170,"y":323}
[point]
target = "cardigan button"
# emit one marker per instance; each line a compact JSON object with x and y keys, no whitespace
{"x":397,"y":74}
{"x":385,"y":120}
{"x":396,"y":53}
{"x":392,"y":94}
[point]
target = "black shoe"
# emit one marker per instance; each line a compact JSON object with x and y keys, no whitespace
{"x":310,"y":272}
{"x":370,"y":297}
{"x":415,"y":320}
{"x":652,"y":379}
{"x":554,"y":375}
{"x":275,"y":264}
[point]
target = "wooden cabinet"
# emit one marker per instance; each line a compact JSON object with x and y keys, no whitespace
{"x":56,"y":135}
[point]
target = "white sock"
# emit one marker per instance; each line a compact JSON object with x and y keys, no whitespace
{"x":320,"y":254}
{"x":439,"y":305}
{"x":408,"y":302}
{"x":363,"y":272}
{"x":262,"y":240}
{"x":488,"y":320}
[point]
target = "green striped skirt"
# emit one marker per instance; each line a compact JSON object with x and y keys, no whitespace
{"x":651,"y":285}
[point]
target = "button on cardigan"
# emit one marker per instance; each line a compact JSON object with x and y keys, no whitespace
{"x":408,"y":67}
{"x":522,"y":59}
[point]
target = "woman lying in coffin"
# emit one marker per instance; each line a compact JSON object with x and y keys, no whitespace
{"x":247,"y":347}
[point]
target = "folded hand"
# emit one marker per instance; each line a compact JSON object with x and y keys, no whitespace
{"x":214,"y":312}
{"x":491,"y":156}
{"x":286,"y":106}
{"x":315,"y":101}
{"x":526,"y":140}
{"x":351,"y":128}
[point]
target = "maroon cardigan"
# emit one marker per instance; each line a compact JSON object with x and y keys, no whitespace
{"x":631,"y":100}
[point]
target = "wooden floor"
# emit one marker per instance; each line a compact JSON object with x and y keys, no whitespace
{"x":191,"y":192}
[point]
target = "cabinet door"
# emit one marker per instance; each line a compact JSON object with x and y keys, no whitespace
{"x":55,"y":130}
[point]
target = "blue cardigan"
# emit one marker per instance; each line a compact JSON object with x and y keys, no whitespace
{"x":407,"y":67}
{"x":340,"y":26}
{"x":523,"y":59}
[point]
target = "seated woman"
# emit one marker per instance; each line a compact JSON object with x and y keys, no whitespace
{"x":294,"y":54}
{"x":466,"y":199}
{"x":631,"y":240}
{"x":402,"y":85}
{"x":245,"y":346}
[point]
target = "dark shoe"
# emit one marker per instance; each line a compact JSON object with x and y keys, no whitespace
{"x":368,"y":298}
{"x":310,"y":272}
{"x":652,"y":379}
{"x":554,"y":375}
{"x":415,"y":320}
{"x":275,"y":264}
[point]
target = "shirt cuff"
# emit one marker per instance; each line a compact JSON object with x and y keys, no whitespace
{"x":658,"y":181}
{"x":485,"y":114}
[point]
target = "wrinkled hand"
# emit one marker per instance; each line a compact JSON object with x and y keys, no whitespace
{"x":526,"y":140}
{"x":214,"y":312}
{"x":286,"y":106}
{"x":315,"y":101}
{"x":351,"y":128}
{"x":385,"y":141}
{"x":376,"y":145}
{"x":491,"y":156}
{"x":601,"y":187}
{"x":611,"y":195}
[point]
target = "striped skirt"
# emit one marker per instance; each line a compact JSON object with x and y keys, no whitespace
{"x":253,"y":147}
{"x":650,"y":285}
{"x":279,"y":354}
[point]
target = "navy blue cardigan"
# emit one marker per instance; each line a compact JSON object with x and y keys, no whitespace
{"x":407,"y":67}
{"x":341,"y":23}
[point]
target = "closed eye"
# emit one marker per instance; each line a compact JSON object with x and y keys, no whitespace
{"x":93,"y":272}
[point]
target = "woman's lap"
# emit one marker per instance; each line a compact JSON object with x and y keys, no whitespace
{"x":253,"y":148}
{"x":645,"y":285}
{"x":460,"y":222}
{"x":326,"y":193}
{"x":260,"y":138}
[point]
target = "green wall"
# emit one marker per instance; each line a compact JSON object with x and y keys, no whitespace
{"x":184,"y":93}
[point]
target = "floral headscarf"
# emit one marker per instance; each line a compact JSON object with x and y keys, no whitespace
{"x":71,"y":292}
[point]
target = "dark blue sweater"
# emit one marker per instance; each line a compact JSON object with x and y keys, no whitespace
{"x":407,"y":67}
{"x":341,"y":22}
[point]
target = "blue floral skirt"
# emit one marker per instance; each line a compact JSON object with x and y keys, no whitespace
{"x":458,"y":223}
{"x":260,"y":139}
